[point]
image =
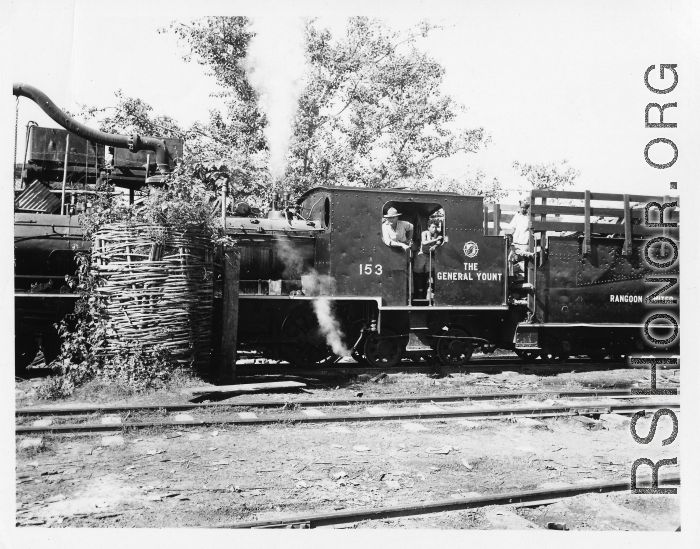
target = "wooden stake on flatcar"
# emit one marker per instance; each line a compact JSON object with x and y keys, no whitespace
{"x":586,"y":247}
{"x":65,"y":173}
{"x":627,"y":249}
{"x":229,"y":331}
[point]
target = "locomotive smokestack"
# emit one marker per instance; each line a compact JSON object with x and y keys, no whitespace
{"x":275,"y":212}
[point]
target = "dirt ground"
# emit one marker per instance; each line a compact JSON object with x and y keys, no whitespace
{"x":219,"y":475}
{"x":343,"y":386}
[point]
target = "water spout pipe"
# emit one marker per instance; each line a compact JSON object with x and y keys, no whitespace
{"x":134,"y":143}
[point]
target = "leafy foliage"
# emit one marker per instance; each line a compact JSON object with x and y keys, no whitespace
{"x":219,"y":43}
{"x":371,"y":114}
{"x":189,"y":198}
{"x":82,"y":357}
{"x":474,"y":186}
{"x":131,"y":115}
{"x":553,"y":175}
{"x":236,"y":137}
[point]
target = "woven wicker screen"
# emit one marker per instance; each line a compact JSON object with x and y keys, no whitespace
{"x":158,"y":288}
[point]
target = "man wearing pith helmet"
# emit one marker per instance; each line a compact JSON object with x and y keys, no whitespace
{"x":396,"y":233}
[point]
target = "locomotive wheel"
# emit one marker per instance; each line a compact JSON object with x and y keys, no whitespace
{"x":26,"y":348}
{"x":310,"y":348}
{"x":551,"y":357}
{"x":385,"y":350}
{"x":360,"y":359}
{"x":527,"y":356}
{"x":607,"y":357}
{"x":454,"y":352}
{"x":357,"y":353}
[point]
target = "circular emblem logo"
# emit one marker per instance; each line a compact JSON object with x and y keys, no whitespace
{"x":471,"y":249}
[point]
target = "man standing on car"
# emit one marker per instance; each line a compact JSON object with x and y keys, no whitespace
{"x":520,"y":224}
{"x":520,"y":248}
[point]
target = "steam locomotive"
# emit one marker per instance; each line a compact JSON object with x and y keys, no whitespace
{"x":317,"y":280}
{"x":582,"y":292}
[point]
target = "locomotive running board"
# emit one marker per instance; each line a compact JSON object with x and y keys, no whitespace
{"x":589,"y":325}
{"x":444,"y":308}
{"x":379,"y":301}
{"x":312,"y":297}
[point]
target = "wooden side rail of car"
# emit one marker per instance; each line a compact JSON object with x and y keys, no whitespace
{"x":629,"y":220}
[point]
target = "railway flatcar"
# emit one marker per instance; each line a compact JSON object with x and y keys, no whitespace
{"x":595,"y":276}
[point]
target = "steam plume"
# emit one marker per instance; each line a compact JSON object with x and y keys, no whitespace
{"x":314,"y":284}
{"x":330,"y":327}
{"x":275,"y":64}
{"x":290,"y":257}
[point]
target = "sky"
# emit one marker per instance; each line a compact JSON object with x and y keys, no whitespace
{"x":548,"y":80}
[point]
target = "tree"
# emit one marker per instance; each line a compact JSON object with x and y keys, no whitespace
{"x":548,"y":176}
{"x":235,"y":138}
{"x":371,"y":113}
{"x":132,"y":115}
{"x":474,"y":186}
{"x":210,"y":156}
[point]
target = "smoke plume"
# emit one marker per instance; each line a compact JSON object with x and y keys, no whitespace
{"x":275,"y":64}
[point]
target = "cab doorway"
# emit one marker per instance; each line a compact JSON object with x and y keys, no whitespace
{"x":415,"y":256}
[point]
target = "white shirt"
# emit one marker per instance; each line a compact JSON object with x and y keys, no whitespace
{"x":521,"y":229}
{"x":398,"y":234}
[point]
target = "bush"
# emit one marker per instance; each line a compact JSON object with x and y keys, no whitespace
{"x":56,"y":387}
{"x":187,"y":199}
{"x":139,"y":367}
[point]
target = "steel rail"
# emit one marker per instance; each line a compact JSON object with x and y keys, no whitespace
{"x":591,"y":408}
{"x":481,"y":364}
{"x":312,"y":520}
{"x":70,"y":410}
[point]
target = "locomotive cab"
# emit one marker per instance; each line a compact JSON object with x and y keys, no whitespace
{"x":468,"y":266}
{"x":462,"y":301}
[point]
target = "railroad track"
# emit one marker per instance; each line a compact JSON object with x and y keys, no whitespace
{"x":311,"y":414}
{"x":524,"y":498}
{"x":260,"y":366}
{"x":61,"y":410}
{"x":207,"y":476}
